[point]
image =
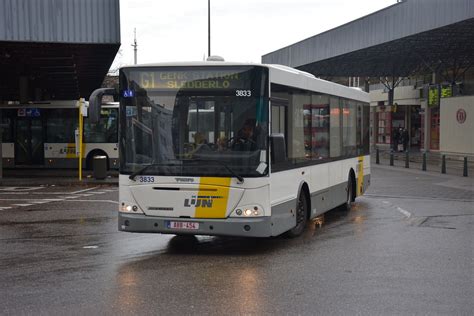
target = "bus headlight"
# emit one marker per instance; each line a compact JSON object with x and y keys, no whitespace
{"x":248,"y":211}
{"x":129,"y":208}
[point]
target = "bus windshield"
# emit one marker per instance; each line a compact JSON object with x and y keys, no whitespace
{"x":194,"y":121}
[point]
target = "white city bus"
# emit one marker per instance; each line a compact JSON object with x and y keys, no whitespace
{"x":218,"y":148}
{"x":42,"y":134}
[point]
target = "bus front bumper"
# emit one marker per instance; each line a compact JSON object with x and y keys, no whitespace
{"x":247,"y":227}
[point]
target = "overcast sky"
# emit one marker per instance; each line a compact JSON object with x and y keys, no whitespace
{"x":241,"y":30}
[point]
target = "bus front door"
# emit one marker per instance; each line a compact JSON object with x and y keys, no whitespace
{"x":29,"y":142}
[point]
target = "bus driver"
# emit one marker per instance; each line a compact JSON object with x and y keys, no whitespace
{"x":245,"y":140}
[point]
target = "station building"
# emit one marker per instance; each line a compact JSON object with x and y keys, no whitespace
{"x":416,"y":58}
{"x":52,"y":52}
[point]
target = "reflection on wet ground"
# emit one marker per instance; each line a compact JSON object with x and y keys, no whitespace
{"x":222,"y":267}
{"x":244,"y":246}
{"x":142,"y":268}
{"x":368,"y":260}
{"x":221,"y":245}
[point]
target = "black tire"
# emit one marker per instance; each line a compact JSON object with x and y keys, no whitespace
{"x":301,"y":217}
{"x":350,"y":194}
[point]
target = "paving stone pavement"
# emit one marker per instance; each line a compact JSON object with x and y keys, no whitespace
{"x":419,"y":184}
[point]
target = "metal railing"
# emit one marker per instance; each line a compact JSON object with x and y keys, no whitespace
{"x":421,"y":160}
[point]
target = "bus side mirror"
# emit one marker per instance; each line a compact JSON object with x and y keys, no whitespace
{"x":278,"y":148}
{"x":95,"y":103}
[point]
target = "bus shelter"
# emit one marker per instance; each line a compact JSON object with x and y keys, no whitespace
{"x":50,"y":51}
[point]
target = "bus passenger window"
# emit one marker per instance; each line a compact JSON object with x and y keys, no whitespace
{"x":318,"y":126}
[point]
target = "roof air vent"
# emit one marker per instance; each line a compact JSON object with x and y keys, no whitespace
{"x":214,"y":58}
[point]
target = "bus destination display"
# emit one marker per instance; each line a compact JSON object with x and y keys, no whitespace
{"x":192,"y":79}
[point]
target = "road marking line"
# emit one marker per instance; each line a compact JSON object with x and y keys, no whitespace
{"x":31,"y":200}
{"x":85,"y":190}
{"x":99,"y":201}
{"x":22,"y":204}
{"x":51,"y":193}
{"x":90,"y":247}
{"x":404,"y":212}
{"x":427,"y":198}
{"x":20,"y":188}
{"x":5,"y":208}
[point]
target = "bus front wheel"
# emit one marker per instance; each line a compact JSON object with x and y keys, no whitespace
{"x":301,"y":216}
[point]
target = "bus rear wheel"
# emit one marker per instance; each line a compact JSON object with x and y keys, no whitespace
{"x":301,"y":216}
{"x":350,"y":194}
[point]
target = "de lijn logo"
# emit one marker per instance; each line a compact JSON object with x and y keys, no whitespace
{"x":200,"y":201}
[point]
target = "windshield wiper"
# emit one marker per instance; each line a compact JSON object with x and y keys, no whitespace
{"x":232,"y":172}
{"x":140,"y":171}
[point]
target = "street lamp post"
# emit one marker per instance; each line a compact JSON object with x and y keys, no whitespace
{"x":135,"y":46}
{"x":208,"y":28}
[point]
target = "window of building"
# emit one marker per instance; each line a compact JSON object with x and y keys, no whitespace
{"x":384,"y":127}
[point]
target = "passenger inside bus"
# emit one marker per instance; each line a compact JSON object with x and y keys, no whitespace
{"x":201,"y":145}
{"x":222,"y":143}
{"x":199,"y":139}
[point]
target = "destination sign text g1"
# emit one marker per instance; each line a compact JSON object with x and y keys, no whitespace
{"x":192,"y":79}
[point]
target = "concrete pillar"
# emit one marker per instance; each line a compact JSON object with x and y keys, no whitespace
{"x":23,"y":84}
{"x":366,"y":85}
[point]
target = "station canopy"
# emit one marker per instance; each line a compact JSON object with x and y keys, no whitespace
{"x":413,"y":36}
{"x":56,"y":50}
{"x":58,"y":71}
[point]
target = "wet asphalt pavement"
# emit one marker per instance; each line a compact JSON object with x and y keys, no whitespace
{"x":405,"y":248}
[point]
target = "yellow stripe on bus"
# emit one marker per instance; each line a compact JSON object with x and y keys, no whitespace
{"x":70,"y":150}
{"x":360,"y":175}
{"x":212,"y":197}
